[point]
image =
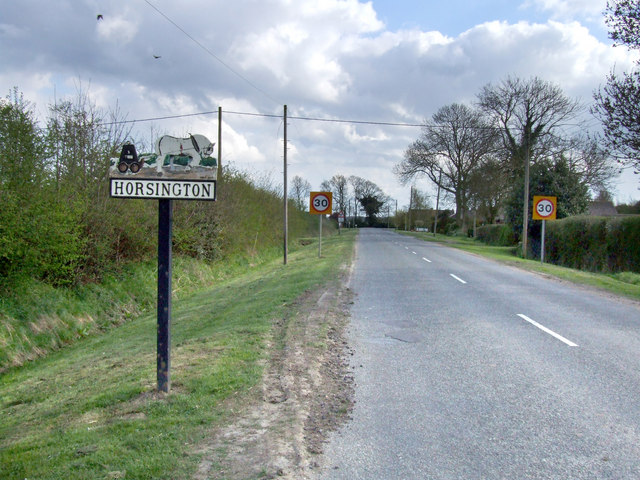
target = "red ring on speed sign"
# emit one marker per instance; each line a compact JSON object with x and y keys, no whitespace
{"x":544,"y":208}
{"x":320,"y":203}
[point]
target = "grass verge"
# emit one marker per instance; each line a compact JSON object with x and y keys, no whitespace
{"x":91,"y":410}
{"x":624,"y":283}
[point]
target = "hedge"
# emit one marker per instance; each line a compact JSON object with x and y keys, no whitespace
{"x":599,"y":244}
{"x":499,"y":234}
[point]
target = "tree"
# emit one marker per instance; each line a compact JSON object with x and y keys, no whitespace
{"x":530,"y":115}
{"x":22,"y":165}
{"x":418,"y":216}
{"x":452,"y":145}
{"x":617,"y":104}
{"x":586,"y":156}
{"x":39,"y":236}
{"x":339,"y":186}
{"x":369,"y":195}
{"x":81,"y":139}
{"x":552,"y":177}
{"x":618,"y":108}
{"x":372,"y":205}
{"x":623,"y":19}
{"x":489,"y":187}
{"x":299,"y":192}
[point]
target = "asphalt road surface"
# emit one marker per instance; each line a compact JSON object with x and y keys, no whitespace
{"x":468,"y":369}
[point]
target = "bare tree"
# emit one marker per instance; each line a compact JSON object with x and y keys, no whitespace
{"x":593,"y":163}
{"x":489,"y":187}
{"x":299,"y":192}
{"x":340,"y":188}
{"x":452,"y":145}
{"x":530,"y":115}
{"x":617,"y":104}
{"x":82,"y":138}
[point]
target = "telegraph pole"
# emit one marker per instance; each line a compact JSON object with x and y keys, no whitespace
{"x":286,"y":210}
{"x":525,"y":208}
{"x":410,"y":204}
{"x":435,"y":220}
{"x":219,"y":143}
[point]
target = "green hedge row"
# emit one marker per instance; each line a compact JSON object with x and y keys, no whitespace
{"x":500,"y":235}
{"x":599,"y":244}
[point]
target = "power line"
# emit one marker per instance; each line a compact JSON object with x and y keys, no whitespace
{"x":265,"y":115}
{"x":210,"y":53}
{"x":358,"y":122}
{"x":307,"y":119}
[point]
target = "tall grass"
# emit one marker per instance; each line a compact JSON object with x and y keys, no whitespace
{"x":91,"y":410}
{"x":211,"y":240}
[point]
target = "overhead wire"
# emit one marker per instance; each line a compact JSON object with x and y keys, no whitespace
{"x":210,"y":53}
{"x":294,"y":117}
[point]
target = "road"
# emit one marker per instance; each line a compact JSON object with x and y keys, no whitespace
{"x":469,"y":369}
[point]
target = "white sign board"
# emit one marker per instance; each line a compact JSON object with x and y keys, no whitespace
{"x":163,"y":189}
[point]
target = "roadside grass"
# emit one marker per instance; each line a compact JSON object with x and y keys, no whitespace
{"x":37,"y":318}
{"x":623,"y":283}
{"x":91,"y":410}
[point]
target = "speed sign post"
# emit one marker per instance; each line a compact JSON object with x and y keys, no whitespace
{"x":544,"y":208}
{"x":320,"y":204}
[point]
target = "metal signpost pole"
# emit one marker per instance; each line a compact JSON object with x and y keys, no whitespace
{"x":165,"y":220}
{"x":542,"y":245}
{"x":320,"y":204}
{"x":544,"y":208}
{"x":320,"y":239}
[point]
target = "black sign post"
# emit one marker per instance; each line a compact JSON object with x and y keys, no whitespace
{"x":165,"y":224}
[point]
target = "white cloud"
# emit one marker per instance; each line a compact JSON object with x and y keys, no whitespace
{"x":324,"y":58}
{"x":117,"y":29}
{"x":569,"y":8}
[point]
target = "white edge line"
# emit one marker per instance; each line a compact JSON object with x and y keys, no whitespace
{"x":550,"y":332}
{"x":457,"y":278}
{"x":426,"y":260}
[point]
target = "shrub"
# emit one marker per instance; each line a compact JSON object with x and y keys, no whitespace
{"x":500,"y":235}
{"x":599,"y":244}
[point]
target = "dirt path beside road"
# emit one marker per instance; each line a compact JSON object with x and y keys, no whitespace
{"x":306,"y":393}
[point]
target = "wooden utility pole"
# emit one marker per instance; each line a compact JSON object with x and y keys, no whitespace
{"x":525,"y":208}
{"x":410,"y":205}
{"x":435,"y":220}
{"x":219,"y":143}
{"x":286,"y":210}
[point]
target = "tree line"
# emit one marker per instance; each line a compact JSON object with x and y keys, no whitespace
{"x":516,"y":132}
{"x":360,"y":200}
{"x":59,"y":225}
{"x":528,"y":132}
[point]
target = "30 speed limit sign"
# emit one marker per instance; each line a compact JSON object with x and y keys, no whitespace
{"x":320,"y":203}
{"x":544,"y":208}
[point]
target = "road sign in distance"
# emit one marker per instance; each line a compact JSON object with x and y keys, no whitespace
{"x":544,"y":208}
{"x":320,"y":203}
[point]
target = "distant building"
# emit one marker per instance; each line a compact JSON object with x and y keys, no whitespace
{"x":602,"y":209}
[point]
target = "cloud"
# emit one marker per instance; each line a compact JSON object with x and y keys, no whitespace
{"x":323,"y":58}
{"x":117,"y":29}
{"x":569,"y":9}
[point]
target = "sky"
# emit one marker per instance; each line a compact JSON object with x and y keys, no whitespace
{"x":387,"y":61}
